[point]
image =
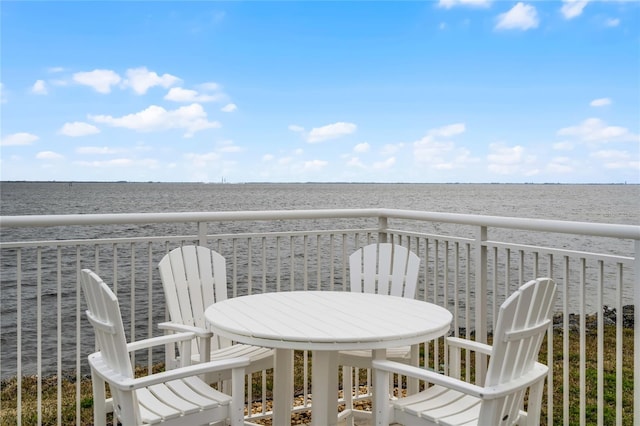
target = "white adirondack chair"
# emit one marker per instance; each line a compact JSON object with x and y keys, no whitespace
{"x":195,"y":277}
{"x":174,"y":397}
{"x":522,"y":322}
{"x":382,"y":268}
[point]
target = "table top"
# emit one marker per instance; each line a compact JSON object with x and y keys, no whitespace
{"x":327,"y":320}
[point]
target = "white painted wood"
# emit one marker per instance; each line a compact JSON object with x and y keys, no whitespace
{"x":322,"y":321}
{"x":174,"y":397}
{"x":193,"y":278}
{"x":382,"y":268}
{"x":523,"y":321}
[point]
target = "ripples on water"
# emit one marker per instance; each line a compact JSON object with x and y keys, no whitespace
{"x":593,"y":203}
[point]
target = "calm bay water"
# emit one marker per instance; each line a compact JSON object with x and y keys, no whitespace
{"x":618,"y":204}
{"x":592,"y":203}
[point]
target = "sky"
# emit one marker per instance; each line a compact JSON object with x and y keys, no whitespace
{"x":441,"y":91}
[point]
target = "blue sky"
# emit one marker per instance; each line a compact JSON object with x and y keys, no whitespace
{"x":431,"y":91}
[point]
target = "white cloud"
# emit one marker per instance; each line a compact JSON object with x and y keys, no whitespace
{"x":355,"y":162}
{"x":100,"y":80}
{"x":49,"y":155}
{"x":612,"y":159}
{"x":561,"y":165}
{"x":78,"y":128}
{"x":191,"y":118}
{"x":448,"y":4}
{"x":448,"y":131}
{"x":229,"y":146}
{"x":141,"y":79}
{"x":362,"y":147}
{"x":386,"y":164}
{"x":596,"y":130}
{"x":16,"y":139}
{"x":229,"y":108}
{"x":600,"y":102}
{"x":315,"y":165}
{"x":432,"y":150}
{"x":178,"y":94}
{"x":572,"y":8}
{"x":612,"y":22}
{"x":268,"y":157}
{"x":209,"y":87}
{"x":563,"y":146}
{"x":296,"y":128}
{"x":330,"y":131}
{"x":509,"y":160}
{"x":521,"y":16}
{"x":39,"y":88}
{"x":100,"y":150}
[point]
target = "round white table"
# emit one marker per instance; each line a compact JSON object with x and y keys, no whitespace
{"x":324,"y":322}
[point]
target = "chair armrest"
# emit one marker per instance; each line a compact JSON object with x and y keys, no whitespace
{"x":539,"y":372}
{"x":160,"y":340}
{"x":469,"y":344}
{"x":455,"y":345}
{"x":128,"y":383}
{"x":429,"y":376}
{"x":200,"y":332}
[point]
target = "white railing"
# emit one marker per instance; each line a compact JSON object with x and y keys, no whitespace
{"x":470,"y":264}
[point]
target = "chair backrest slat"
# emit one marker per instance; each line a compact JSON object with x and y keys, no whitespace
{"x":384,"y":268}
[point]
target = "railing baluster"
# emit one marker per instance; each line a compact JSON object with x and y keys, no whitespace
{"x":583,"y":348}
{"x":78,"y":350}
{"x":249,"y":266}
{"x":600,"y":343}
{"x":39,"y":332}
{"x":619,"y":340}
{"x":565,"y":343}
{"x":150,"y":315}
{"x":59,"y":334}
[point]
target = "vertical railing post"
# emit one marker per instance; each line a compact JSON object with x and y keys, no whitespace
{"x":202,"y":234}
{"x":383,"y":226}
{"x":636,"y":333}
{"x":481,"y":299}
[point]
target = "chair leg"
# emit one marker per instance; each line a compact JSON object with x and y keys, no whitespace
{"x":237,"y":398}
{"x":535,"y":403}
{"x":381,"y":398}
{"x":347,"y":392}
{"x":99,"y":401}
{"x":412,"y":383}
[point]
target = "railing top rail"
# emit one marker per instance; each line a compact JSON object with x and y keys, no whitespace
{"x":543,"y":225}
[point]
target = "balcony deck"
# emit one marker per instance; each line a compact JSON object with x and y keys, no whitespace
{"x":469,"y":264}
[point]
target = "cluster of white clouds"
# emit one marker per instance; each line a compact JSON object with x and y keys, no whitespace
{"x":191,"y":118}
{"x":438,"y":150}
{"x":523,"y":16}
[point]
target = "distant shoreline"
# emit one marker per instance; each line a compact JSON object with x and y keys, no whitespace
{"x":315,"y":183}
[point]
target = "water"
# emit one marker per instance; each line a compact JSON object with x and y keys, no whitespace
{"x":589,"y":203}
